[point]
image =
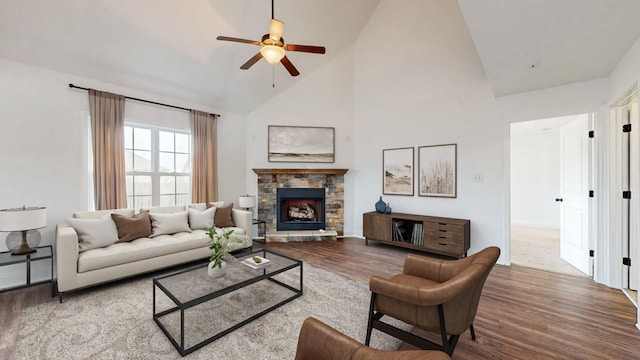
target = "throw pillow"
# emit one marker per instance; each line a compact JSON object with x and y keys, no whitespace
{"x":215,"y":203}
{"x":222,"y":217}
{"x":201,"y":219}
{"x":94,"y":233}
{"x":131,"y":228}
{"x":167,"y":224}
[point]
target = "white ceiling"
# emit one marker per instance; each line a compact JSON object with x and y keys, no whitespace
{"x":168,"y":47}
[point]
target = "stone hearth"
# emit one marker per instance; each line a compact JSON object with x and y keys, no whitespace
{"x":332,"y":180}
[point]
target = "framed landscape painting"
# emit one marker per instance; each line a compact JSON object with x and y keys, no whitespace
{"x":437,"y":170}
{"x":301,"y":144}
{"x":397,"y":176}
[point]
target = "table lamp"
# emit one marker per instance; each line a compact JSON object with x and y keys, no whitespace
{"x":20,"y":221}
{"x":247,"y":202}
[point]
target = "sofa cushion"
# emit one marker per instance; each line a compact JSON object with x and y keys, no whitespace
{"x":222,"y":216}
{"x":201,"y":219}
{"x":167,"y":224}
{"x":97,"y":214}
{"x":94,"y":233}
{"x":215,"y":203}
{"x":145,"y":248}
{"x":140,"y":249}
{"x":168,"y":209}
{"x":130,"y":228}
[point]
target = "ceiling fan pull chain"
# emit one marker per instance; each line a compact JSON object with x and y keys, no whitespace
{"x":273,"y":75}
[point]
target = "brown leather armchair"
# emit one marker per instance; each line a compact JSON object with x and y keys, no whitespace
{"x":319,"y":341}
{"x":436,"y":295}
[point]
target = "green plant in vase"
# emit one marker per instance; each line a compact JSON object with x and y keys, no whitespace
{"x":221,"y":243}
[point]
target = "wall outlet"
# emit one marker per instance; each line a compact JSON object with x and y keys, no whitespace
{"x":477,"y":177}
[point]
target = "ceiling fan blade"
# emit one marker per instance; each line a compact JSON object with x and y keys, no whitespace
{"x":305,"y":48}
{"x":227,"y":38}
{"x":251,"y":61}
{"x":289,"y":66}
{"x":275,"y":30}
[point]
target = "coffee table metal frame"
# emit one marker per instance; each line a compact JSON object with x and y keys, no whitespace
{"x":262,"y":274}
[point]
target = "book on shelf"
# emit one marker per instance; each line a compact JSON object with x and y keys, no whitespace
{"x":417,"y":236}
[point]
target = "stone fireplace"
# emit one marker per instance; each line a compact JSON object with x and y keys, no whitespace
{"x":304,"y":188}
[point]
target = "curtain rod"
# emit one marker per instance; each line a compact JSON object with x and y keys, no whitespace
{"x":142,"y":100}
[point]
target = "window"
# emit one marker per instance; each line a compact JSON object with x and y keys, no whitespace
{"x":157,"y":165}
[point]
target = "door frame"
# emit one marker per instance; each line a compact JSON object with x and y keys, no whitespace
{"x":595,"y":183}
{"x":617,"y":144}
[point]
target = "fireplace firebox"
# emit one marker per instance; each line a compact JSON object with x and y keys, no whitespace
{"x":300,"y":209}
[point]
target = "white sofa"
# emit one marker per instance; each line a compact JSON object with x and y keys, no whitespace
{"x":78,"y":268}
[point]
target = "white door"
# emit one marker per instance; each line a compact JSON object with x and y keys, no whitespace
{"x":634,"y":204}
{"x":574,"y":183}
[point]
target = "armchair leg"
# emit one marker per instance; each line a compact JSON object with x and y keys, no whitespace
{"x":370,"y":321}
{"x":448,"y":343}
{"x":473,"y":333}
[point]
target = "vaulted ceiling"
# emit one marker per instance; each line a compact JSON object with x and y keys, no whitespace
{"x":168,"y":47}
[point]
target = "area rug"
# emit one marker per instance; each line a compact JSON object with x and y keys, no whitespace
{"x":115,"y":322}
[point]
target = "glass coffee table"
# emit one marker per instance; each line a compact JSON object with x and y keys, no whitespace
{"x":193,"y":309}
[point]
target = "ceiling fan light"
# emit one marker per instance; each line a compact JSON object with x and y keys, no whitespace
{"x":275,"y":30}
{"x":272,"y":53}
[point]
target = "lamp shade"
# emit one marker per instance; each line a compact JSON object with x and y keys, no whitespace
{"x":247,"y":201}
{"x":275,"y":30}
{"x":272,"y":53}
{"x":24,"y":218}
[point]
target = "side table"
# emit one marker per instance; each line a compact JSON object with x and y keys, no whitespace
{"x":261,"y":223}
{"x":42,"y":253}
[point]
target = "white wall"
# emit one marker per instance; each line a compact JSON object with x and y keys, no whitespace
{"x":577,"y":98}
{"x":535,"y":176}
{"x":427,"y":88}
{"x":321,"y":98}
{"x":626,"y":73}
{"x":41,"y":142}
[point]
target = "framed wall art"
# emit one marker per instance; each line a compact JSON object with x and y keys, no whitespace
{"x":397,"y":171}
{"x":437,"y":170}
{"x":301,"y":144}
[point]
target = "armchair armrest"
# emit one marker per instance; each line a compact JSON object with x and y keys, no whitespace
{"x":67,"y":251}
{"x":243,"y":219}
{"x":320,"y":341}
{"x":411,"y":289}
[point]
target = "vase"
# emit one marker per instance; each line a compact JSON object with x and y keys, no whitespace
{"x":387,"y":209}
{"x":380,"y":206}
{"x":215,"y":271}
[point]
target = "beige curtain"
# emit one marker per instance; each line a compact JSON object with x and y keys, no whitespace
{"x":204,"y":175}
{"x":107,"y":134}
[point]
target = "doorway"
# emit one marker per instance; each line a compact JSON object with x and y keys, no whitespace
{"x":549,"y":218}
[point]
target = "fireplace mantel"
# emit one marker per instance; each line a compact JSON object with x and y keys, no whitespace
{"x":288,"y":171}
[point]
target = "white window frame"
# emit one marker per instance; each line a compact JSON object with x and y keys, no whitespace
{"x":155,"y":174}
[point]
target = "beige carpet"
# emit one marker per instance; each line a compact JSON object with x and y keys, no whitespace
{"x":539,"y":248}
{"x":115,"y":322}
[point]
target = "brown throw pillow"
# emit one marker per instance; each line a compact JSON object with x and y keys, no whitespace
{"x":222,"y":217}
{"x":131,"y":228}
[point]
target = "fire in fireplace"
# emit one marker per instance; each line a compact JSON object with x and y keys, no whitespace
{"x":300,"y":209}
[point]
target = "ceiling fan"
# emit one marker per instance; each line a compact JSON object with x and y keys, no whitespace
{"x":273,"y":48}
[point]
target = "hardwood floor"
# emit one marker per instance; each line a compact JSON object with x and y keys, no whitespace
{"x":523,"y":313}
